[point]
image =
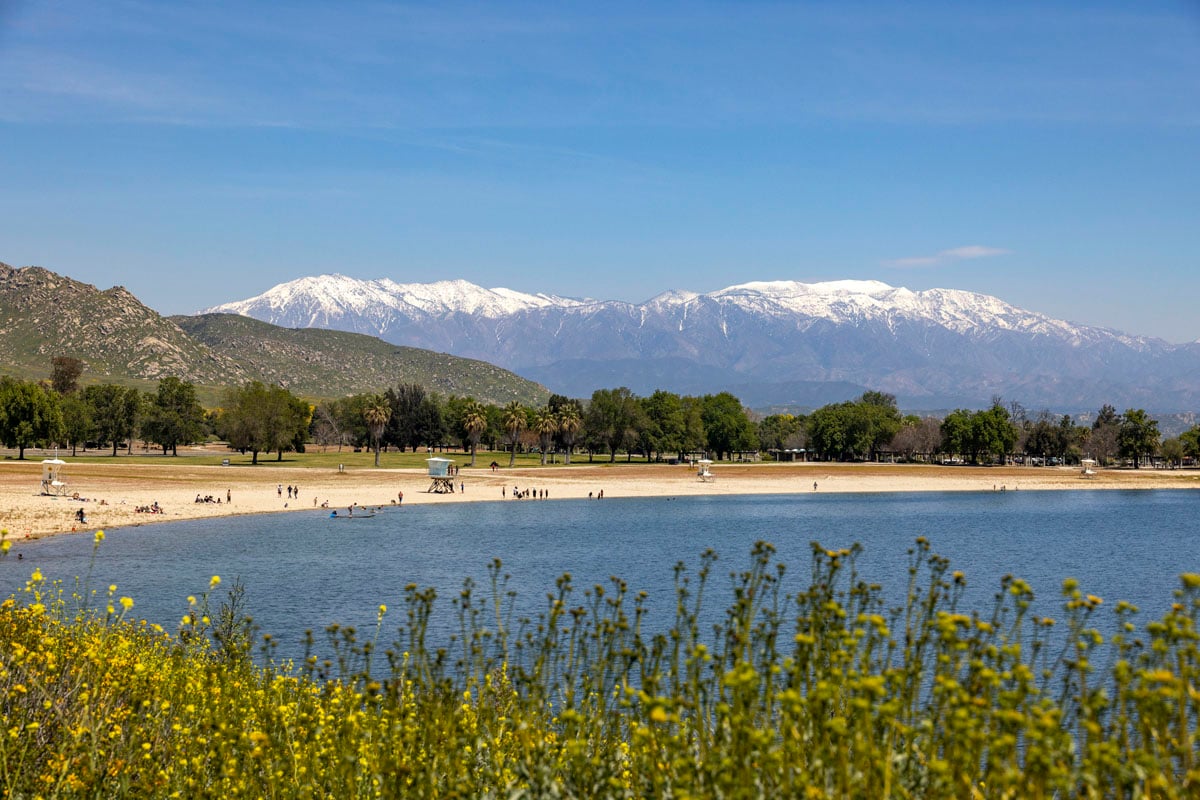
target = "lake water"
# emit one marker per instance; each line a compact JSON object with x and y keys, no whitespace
{"x":303,"y":570}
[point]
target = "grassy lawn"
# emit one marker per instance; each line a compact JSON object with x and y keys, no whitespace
{"x":215,"y":455}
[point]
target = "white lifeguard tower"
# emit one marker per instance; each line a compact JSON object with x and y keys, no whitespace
{"x":52,"y":478}
{"x":441,"y":481}
{"x":1087,"y":465}
{"x":705,"y":473}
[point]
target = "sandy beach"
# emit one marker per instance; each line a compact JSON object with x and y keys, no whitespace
{"x":111,"y":494}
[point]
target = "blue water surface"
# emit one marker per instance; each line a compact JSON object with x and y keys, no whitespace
{"x":303,"y":570}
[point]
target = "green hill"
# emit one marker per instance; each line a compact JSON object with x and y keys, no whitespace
{"x":321,"y":363}
{"x":120,"y":340}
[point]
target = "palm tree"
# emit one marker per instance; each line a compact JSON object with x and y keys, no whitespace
{"x":545,"y":424}
{"x":569,"y":424}
{"x":376,"y":414}
{"x":475,"y":422}
{"x":514,"y":421}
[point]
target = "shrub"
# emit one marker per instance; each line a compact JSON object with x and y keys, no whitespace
{"x":824,"y":693}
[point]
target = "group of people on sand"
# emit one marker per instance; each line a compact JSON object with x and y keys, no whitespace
{"x":526,"y":494}
{"x":153,"y":508}
{"x":292,"y":491}
{"x":208,"y":498}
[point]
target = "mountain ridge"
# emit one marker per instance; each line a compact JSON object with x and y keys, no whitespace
{"x":119,"y":339}
{"x":932,"y":348}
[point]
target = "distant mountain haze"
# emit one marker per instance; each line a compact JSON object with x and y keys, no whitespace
{"x":773,"y":343}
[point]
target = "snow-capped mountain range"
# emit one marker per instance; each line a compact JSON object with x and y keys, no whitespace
{"x":772,"y":343}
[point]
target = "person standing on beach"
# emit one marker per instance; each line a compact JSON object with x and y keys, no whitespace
{"x":400,"y":498}
{"x":228,"y":495}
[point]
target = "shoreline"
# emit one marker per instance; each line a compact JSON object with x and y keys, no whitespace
{"x":109,"y":494}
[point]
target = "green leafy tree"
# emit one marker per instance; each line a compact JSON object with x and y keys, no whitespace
{"x":78,"y":425}
{"x":993,"y":432}
{"x":115,"y":411}
{"x":877,"y":421}
{"x":30,"y":415}
{"x":853,"y":430}
{"x":260,"y":419}
{"x":1137,"y":435}
{"x":241,"y":423}
{"x":956,"y":434}
{"x":664,"y":423}
{"x":173,"y":416}
{"x":829,"y":431}
{"x":611,"y":419}
{"x":1107,"y":415}
{"x":977,"y":433}
{"x":780,"y":432}
{"x":1191,"y":442}
{"x":416,"y":419}
{"x":1041,"y":437}
{"x":727,"y":426}
{"x":1071,"y":438}
{"x":1172,"y":451}
{"x":354,"y":422}
{"x":693,"y":425}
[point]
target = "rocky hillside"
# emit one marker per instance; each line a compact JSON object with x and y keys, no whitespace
{"x":43,"y":315}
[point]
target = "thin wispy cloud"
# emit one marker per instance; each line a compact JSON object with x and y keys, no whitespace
{"x":945,"y":257}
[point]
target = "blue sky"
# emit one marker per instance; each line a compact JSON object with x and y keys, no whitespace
{"x":1045,"y":152}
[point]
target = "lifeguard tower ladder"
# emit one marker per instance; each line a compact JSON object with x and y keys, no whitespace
{"x":52,"y":482}
{"x":441,"y":482}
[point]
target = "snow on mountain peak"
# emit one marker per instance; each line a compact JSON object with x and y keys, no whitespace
{"x":334,"y":295}
{"x":335,"y":300}
{"x":825,"y":288}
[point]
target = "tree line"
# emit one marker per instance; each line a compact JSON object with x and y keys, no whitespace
{"x":866,"y":428}
{"x":611,"y":422}
{"x":257,"y":418}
